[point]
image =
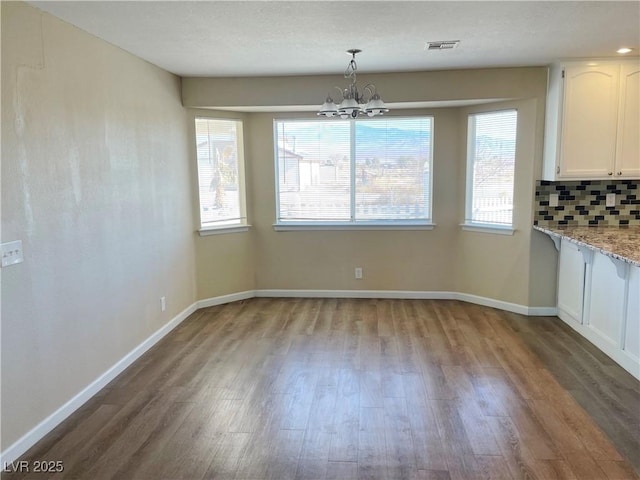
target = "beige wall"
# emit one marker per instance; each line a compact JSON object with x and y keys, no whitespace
{"x":445,"y":85}
{"x":391,"y":260}
{"x":96,"y":183}
{"x":497,"y":266}
{"x":225,"y":262}
{"x":516,"y":269}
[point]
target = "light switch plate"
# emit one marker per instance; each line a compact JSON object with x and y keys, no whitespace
{"x":12,"y":253}
{"x":553,"y":199}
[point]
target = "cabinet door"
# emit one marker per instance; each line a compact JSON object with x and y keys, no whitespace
{"x":589,"y":121}
{"x":606,"y":300}
{"x":628,"y":149}
{"x":571,"y":268}
{"x":632,"y":327}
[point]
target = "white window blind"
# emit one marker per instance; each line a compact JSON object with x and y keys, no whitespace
{"x":491,"y":151}
{"x":220,"y":172}
{"x":354,"y":171}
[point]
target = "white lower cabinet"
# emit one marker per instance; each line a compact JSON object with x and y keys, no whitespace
{"x":632,"y":320}
{"x":570,"y":282}
{"x":606,"y":299}
{"x":599,"y":297}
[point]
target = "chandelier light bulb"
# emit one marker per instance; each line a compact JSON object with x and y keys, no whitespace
{"x":329,"y":108}
{"x":375,"y":106}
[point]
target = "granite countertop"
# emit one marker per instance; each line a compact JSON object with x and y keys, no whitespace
{"x":618,"y":242}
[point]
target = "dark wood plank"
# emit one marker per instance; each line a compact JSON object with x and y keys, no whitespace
{"x":342,"y":471}
{"x":461,"y":462}
{"x":344,"y":443}
{"x":520,"y":461}
{"x":372,"y":464}
{"x":398,"y":445}
{"x":226,"y":460}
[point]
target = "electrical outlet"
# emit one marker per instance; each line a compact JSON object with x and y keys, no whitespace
{"x":163,"y":303}
{"x":359,"y":273}
{"x":553,"y":199}
{"x":611,"y":199}
{"x":12,"y":253}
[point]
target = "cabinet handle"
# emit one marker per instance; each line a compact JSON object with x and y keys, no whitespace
{"x":619,"y":173}
{"x":610,"y":173}
{"x":558,"y":169}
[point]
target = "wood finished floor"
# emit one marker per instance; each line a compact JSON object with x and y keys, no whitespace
{"x":357,"y":389}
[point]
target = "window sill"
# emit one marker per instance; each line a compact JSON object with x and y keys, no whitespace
{"x":205,"y":232}
{"x":488,"y":228}
{"x":298,"y":226}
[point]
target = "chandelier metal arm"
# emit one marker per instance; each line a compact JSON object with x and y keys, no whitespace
{"x":371,"y":88}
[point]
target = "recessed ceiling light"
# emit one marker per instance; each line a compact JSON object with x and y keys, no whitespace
{"x":624,"y":50}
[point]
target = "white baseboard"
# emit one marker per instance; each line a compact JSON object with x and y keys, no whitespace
{"x":415,"y":295}
{"x":400,"y":294}
{"x":507,"y":306}
{"x":542,"y":312}
{"x":29,"y":439}
{"x":14,"y":451}
{"x":232,"y":297}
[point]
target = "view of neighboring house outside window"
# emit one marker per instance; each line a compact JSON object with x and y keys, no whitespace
{"x":220,"y":172}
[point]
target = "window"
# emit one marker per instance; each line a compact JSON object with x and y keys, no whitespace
{"x":491,"y":152}
{"x":351,"y":172}
{"x":220,"y":173}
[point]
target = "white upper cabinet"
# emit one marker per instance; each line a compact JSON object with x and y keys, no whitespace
{"x":628,"y":147}
{"x":591,"y":129}
{"x":589,"y":119}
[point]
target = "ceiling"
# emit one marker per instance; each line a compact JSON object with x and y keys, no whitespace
{"x":264,"y":38}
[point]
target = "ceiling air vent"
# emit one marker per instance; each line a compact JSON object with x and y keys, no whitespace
{"x":441,"y":45}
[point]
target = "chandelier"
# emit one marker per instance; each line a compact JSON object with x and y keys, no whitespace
{"x":353,"y":102}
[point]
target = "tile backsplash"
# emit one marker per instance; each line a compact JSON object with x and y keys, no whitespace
{"x":583,"y":203}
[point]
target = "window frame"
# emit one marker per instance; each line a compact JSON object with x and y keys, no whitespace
{"x":477,"y":226}
{"x":380,"y":224}
{"x":242,"y":224}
